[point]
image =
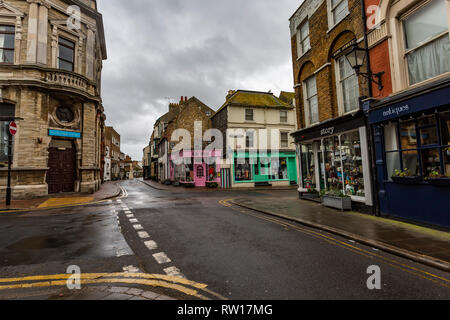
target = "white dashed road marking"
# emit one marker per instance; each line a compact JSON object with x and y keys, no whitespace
{"x":151,"y":245}
{"x":134,"y":221}
{"x":143,"y":235}
{"x":138,"y":227}
{"x":174,"y":272}
{"x":161,"y":258}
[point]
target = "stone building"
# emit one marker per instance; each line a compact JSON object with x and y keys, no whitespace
{"x":112,"y":143}
{"x":50,"y":78}
{"x":258,"y":148}
{"x":332,"y":139}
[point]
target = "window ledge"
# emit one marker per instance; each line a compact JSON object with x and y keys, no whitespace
{"x":303,"y":54}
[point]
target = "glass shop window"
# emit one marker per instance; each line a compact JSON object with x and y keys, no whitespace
{"x":189,"y":172}
{"x":333,"y":169}
{"x":308,"y":167}
{"x":420,"y":147}
{"x":352,"y":164}
{"x":212,"y":172}
{"x":243,"y":170}
{"x":278,"y":169}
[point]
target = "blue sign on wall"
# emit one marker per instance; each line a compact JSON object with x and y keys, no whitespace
{"x":64,"y":134}
{"x":420,"y":103}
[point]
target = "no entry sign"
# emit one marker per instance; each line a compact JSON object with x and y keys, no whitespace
{"x":13,"y":128}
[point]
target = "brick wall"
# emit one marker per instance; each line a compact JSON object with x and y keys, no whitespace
{"x":319,"y":59}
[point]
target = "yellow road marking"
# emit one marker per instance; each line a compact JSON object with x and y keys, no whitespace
{"x":103,"y":277}
{"x":56,"y":202}
{"x":152,"y":283}
{"x":345,"y":245}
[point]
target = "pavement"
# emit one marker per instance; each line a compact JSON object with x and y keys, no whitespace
{"x":108,"y":190}
{"x":424,"y":245}
{"x":107,"y":293}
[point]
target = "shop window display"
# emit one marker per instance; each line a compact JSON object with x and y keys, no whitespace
{"x":278,"y":169}
{"x":243,"y":170}
{"x":333,"y":164}
{"x":212,"y":173}
{"x":422,"y":145}
{"x":308,"y":167}
{"x":352,"y":164}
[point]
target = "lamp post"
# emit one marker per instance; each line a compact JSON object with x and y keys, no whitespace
{"x":357,"y":58}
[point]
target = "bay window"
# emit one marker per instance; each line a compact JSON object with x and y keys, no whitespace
{"x":427,"y":42}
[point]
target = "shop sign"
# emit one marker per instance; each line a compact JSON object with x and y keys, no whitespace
{"x":64,"y":134}
{"x":327,"y":131}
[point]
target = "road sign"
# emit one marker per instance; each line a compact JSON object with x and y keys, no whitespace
{"x":13,"y":128}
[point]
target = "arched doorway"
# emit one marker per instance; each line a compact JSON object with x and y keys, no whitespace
{"x":61,"y":175}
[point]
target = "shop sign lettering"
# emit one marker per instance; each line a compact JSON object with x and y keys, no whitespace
{"x":327,"y":131}
{"x":396,"y":111}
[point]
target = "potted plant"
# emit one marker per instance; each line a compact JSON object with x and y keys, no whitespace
{"x":212,"y":185}
{"x":337,"y":199}
{"x":406,"y":177}
{"x":438,"y":180}
{"x":312,"y":195}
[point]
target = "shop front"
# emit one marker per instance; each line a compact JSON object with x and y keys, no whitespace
{"x":197,"y":168}
{"x":334,"y":157}
{"x":412,"y":144}
{"x":264,"y":169}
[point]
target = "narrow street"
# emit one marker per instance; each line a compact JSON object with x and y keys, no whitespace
{"x":232,"y":253}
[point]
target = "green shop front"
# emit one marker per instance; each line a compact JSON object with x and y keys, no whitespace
{"x":254,"y":169}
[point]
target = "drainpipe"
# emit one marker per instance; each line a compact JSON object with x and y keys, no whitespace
{"x":369,"y":132}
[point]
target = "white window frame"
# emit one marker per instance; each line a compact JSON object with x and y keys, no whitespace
{"x":253,"y":115}
{"x":281,"y":139}
{"x":300,"y":41}
{"x":405,"y":51}
{"x":282,"y":112}
{"x":330,"y":12}
{"x":306,"y":102}
{"x":340,"y":91}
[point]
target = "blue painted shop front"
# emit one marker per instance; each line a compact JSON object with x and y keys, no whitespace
{"x":412,"y":132}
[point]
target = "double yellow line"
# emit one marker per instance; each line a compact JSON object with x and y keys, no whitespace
{"x":396,"y":264}
{"x":187,"y":287}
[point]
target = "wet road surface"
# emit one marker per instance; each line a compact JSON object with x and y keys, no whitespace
{"x":237,"y":253}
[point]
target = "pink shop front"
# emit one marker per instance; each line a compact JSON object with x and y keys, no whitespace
{"x":198,"y":167}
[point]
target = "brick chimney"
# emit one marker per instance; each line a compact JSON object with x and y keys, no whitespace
{"x":230,"y":93}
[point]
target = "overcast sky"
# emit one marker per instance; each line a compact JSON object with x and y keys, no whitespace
{"x":159,"y":49}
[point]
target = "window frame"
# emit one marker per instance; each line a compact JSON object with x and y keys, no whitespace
{"x":282,"y":112}
{"x":401,"y":56}
{"x":330,"y":10}
{"x":307,"y":100}
{"x":301,"y":50}
{"x":68,"y":47}
{"x":419,"y":147}
{"x":340,"y":89}
{"x":282,"y":140}
{"x":13,"y":33}
{"x":247,"y":115}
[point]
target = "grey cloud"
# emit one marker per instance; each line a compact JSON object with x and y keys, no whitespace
{"x":173,"y":48}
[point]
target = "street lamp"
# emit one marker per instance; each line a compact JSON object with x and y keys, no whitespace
{"x":357,"y":57}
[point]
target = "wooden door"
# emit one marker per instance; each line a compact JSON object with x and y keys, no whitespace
{"x":61,"y":174}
